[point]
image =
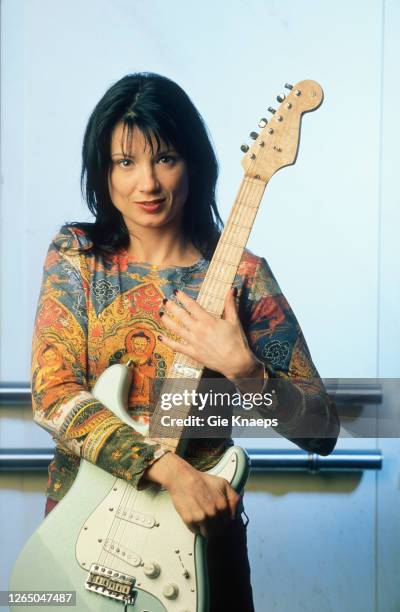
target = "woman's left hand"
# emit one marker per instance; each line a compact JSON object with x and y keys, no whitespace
{"x":217,"y":344}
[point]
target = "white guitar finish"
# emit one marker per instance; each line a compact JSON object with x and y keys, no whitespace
{"x":112,"y":390}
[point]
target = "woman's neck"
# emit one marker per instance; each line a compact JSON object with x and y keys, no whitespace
{"x":162,"y":248}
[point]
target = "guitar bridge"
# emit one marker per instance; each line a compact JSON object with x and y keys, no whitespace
{"x":110,"y":583}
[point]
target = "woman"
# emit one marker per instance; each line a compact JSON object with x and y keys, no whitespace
{"x":124,"y":287}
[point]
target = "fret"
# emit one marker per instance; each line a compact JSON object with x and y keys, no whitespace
{"x":217,"y":278}
{"x":233,"y":244}
{"x":208,"y":294}
{"x":246,"y":227}
{"x":225,"y":261}
{"x":247,"y":206}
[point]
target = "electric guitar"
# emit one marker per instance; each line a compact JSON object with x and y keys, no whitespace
{"x":119,"y":548}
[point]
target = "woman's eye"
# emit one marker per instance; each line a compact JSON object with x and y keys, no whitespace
{"x":124,"y":163}
{"x":166,"y":159}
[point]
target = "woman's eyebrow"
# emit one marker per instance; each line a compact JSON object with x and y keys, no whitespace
{"x":161,"y":151}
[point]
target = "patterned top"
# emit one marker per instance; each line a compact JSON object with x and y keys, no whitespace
{"x":95,"y":311}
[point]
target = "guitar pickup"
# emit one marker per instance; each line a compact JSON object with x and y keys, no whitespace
{"x":122,"y":552}
{"x":115,"y":585}
{"x":134,"y":516}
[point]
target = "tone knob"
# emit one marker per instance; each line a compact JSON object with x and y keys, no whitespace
{"x":152,"y":569}
{"x":170,"y":591}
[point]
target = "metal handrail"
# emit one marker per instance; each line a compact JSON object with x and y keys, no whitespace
{"x":343,"y":393}
{"x":37,"y":460}
{"x":295,"y":460}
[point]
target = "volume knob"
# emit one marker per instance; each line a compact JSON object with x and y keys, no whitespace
{"x":170,"y":591}
{"x":152,"y":569}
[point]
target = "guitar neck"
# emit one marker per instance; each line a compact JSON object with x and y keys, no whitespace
{"x":185,"y":373}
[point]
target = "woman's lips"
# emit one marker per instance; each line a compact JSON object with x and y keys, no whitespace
{"x":152,"y":206}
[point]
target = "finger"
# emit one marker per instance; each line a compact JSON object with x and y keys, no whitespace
{"x":193,"y":528}
{"x":197,"y":526}
{"x":179,"y":314}
{"x":181,"y":332}
{"x":196,"y":311}
{"x":233,"y":500}
{"x":178,"y":347}
{"x":230,"y":308}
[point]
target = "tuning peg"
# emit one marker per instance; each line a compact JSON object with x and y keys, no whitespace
{"x":288,"y":86}
{"x":263,"y":122}
{"x":281,"y":97}
{"x":253,"y":135}
{"x":271,"y":110}
{"x":244,"y":148}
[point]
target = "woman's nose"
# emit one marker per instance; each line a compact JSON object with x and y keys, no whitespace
{"x":148,"y":180}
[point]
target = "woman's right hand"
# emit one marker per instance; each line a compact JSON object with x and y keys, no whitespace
{"x":204,"y":502}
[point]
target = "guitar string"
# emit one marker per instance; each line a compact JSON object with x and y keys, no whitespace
{"x":110,"y":534}
{"x":226,"y":248}
{"x":129,"y":508}
{"x":236,"y":216}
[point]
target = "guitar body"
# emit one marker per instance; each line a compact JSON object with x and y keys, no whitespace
{"x":104,"y":523}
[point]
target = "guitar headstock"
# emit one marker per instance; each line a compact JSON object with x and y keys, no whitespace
{"x":278,"y":141}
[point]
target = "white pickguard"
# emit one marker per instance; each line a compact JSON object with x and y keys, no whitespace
{"x":132,"y":529}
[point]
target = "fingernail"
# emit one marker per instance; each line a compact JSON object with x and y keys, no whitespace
{"x":235,"y":291}
{"x":159,"y":338}
{"x":165,"y":300}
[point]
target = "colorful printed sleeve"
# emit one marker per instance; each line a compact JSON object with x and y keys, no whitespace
{"x":306,"y":414}
{"x":61,"y":399}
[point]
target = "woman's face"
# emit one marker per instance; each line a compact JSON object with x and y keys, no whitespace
{"x":149,"y":190}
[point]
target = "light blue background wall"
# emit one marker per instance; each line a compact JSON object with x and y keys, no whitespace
{"x":328,"y":227}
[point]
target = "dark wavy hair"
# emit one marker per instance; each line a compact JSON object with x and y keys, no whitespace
{"x":160,"y":109}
